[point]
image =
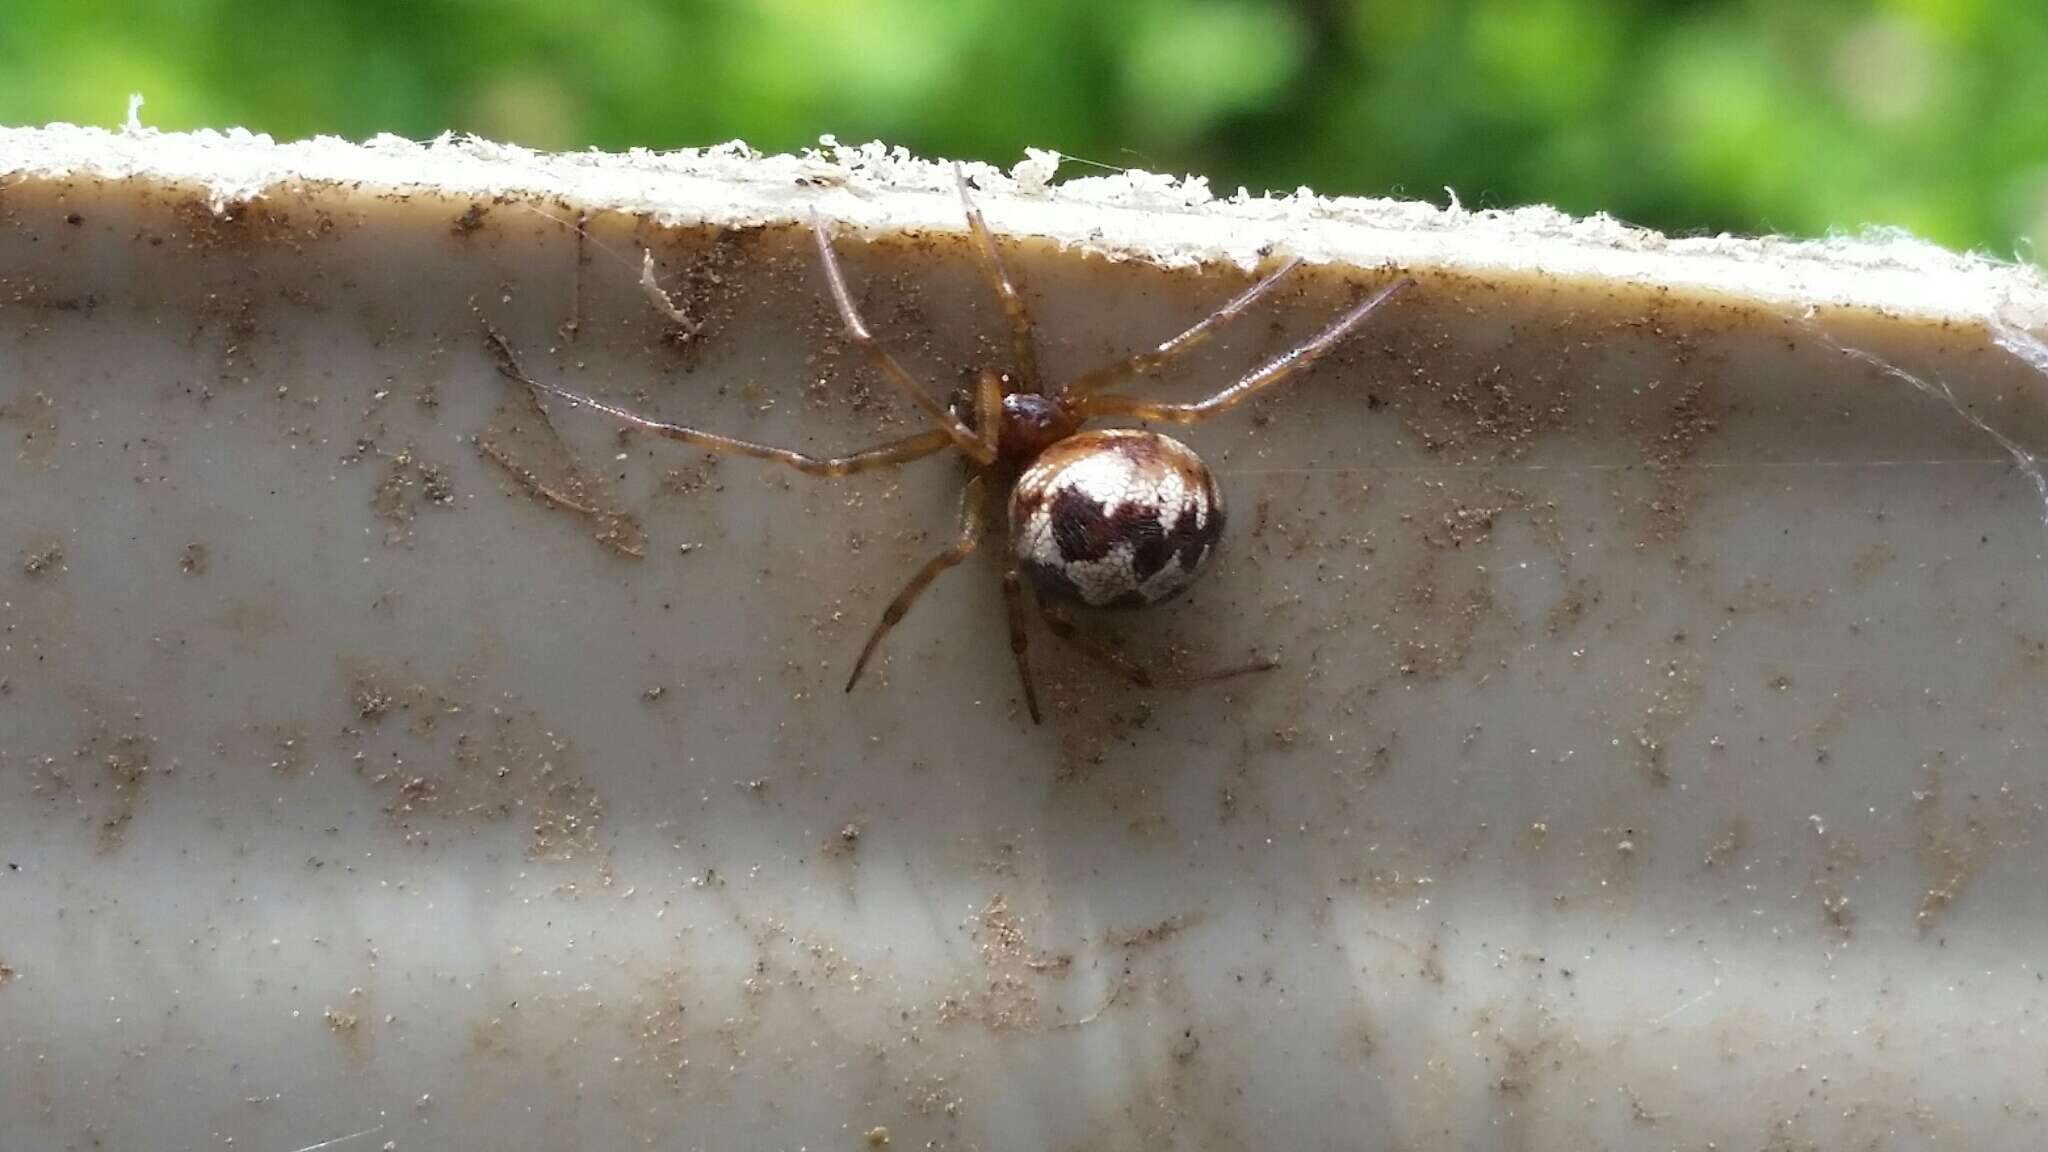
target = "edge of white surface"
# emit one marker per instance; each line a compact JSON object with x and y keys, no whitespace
{"x":1173,"y":222}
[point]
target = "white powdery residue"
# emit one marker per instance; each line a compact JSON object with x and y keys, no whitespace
{"x":1132,"y":188}
{"x":1601,"y":228}
{"x":1033,"y":174}
{"x":876,"y":190}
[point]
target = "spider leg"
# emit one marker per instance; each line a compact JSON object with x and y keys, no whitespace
{"x":1020,"y":639}
{"x":1272,"y":372}
{"x":960,"y":549}
{"x":1063,"y":627}
{"x":1146,"y":363}
{"x":988,"y":406}
{"x":1023,"y":345}
{"x":881,"y":456}
{"x":963,"y":437}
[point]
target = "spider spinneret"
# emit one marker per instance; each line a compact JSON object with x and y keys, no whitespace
{"x":1098,"y":518}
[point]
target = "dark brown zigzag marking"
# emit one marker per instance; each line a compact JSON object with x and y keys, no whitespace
{"x":1052,"y":582}
{"x":1084,"y":531}
{"x":1191,"y":540}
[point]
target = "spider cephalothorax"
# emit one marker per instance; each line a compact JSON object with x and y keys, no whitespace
{"x":1098,"y":518}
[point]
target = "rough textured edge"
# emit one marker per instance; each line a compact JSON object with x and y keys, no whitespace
{"x":1128,"y":215}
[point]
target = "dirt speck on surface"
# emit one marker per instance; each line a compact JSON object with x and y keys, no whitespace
{"x":1147,"y":935}
{"x":1948,"y":855}
{"x":660,"y":1023}
{"x":1669,"y":448}
{"x":36,"y":415}
{"x":255,"y":221}
{"x":1579,"y":598}
{"x":370,"y":698}
{"x":1006,"y":997}
{"x":193,"y":559}
{"x":690,"y":479}
{"x":42,"y":560}
{"x":486,"y":763}
{"x":286,"y":746}
{"x":1960,"y":832}
{"x":565,"y":819}
{"x":844,"y":843}
{"x":8,"y":974}
{"x":351,"y":1029}
{"x":406,"y":484}
{"x":1673,"y":692}
{"x":1437,"y":613}
{"x":1466,"y":407}
{"x":1730,"y":844}
{"x":1832,"y":877}
{"x":123,"y":757}
{"x":1441,"y":642}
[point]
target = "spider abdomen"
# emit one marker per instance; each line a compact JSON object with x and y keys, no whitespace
{"x":1115,"y":518}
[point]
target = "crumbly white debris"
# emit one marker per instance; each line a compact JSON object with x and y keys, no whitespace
{"x":1168,"y":221}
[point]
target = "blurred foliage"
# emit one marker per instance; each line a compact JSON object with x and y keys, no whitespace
{"x":1799,"y":116}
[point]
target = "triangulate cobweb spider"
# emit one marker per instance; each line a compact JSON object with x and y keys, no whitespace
{"x":1101,"y":518}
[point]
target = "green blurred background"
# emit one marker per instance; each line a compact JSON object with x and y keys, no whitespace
{"x":1796,"y":116}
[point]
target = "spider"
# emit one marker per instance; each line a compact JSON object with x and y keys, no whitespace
{"x":1098,"y":518}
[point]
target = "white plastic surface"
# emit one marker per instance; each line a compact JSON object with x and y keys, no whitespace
{"x":1656,"y":761}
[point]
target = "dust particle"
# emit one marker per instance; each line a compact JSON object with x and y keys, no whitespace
{"x":1668,"y":450}
{"x":1149,"y":934}
{"x":661,"y":1025}
{"x":287,"y":750}
{"x":1444,"y":640}
{"x":1008,"y":999}
{"x":1733,"y":841}
{"x":125,"y":760}
{"x":483,"y":764}
{"x":39,"y":561}
{"x":192,"y":559}
{"x":878,"y":1137}
{"x":407,"y":483}
{"x":370,"y":699}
